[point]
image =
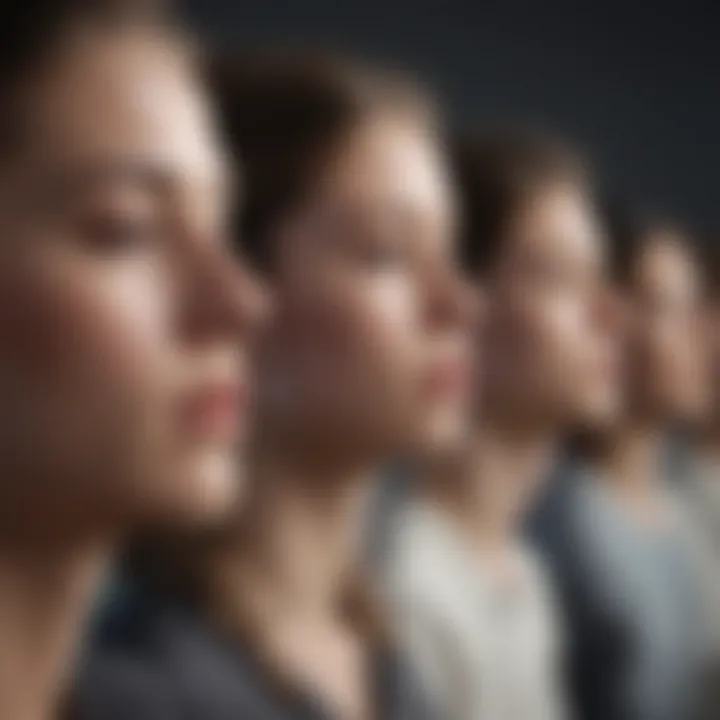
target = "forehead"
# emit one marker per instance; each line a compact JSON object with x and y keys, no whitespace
{"x":557,"y":219}
{"x":666,"y":264}
{"x":395,"y":160}
{"x":128,"y":100}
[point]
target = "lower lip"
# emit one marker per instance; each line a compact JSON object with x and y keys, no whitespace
{"x":217,"y":418}
{"x":448,"y":383}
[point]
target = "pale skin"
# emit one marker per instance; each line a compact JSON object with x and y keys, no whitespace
{"x":370,"y":313}
{"x":121,"y":310}
{"x":547,"y":363}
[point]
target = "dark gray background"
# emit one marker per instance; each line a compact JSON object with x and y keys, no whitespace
{"x":637,"y":83}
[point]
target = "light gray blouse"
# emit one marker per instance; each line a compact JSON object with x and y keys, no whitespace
{"x":483,"y":649}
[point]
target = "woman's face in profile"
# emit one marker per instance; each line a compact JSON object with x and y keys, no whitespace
{"x":123,"y":319}
{"x":668,"y":378}
{"x":551,"y":345}
{"x":368,"y":348}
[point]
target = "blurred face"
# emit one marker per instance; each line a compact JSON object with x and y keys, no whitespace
{"x":367,"y":352}
{"x":122,"y":317}
{"x":550,"y":341}
{"x":667,"y":370}
{"x":713,"y":337}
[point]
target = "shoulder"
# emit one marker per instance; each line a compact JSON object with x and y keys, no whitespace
{"x":433,"y":592}
{"x":425,"y":563}
{"x":541,"y":587}
{"x":569,"y":532}
{"x":534,"y":567}
{"x":559,"y":521}
{"x":403,"y":694}
{"x":125,"y":670}
{"x":150,"y":658}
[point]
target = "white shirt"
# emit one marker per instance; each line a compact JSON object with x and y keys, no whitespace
{"x":702,"y":494}
{"x":484,"y":650}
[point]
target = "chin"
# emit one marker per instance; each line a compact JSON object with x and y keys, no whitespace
{"x":202,"y":493}
{"x":445,"y":437}
{"x":694,"y":414}
{"x":600,"y":412}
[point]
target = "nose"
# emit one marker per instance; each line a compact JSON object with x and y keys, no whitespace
{"x":228,"y":299}
{"x":250,"y":302}
{"x":455,"y":302}
{"x":612,"y":311}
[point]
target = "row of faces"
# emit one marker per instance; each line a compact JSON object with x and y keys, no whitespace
{"x":134,"y":341}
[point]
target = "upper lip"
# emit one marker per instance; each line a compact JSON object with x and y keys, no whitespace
{"x":213,"y":394}
{"x":450,"y":371}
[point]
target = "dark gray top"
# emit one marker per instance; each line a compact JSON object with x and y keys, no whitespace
{"x":629,"y":595}
{"x":152,"y":659}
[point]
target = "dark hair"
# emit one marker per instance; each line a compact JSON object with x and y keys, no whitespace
{"x":284,"y":115}
{"x":496,"y":171}
{"x":713,"y":269}
{"x":31,"y":31}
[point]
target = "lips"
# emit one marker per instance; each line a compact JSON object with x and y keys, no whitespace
{"x":215,"y":411}
{"x":448,"y":378}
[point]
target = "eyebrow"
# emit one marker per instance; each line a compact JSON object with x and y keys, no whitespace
{"x":155,"y":175}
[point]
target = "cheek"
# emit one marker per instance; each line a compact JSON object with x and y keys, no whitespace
{"x":537,"y":335}
{"x":675,"y":357}
{"x":556,"y":358}
{"x":354,"y":345}
{"x":81,"y":335}
{"x":569,"y":328}
{"x":658,"y":363}
{"x":83,"y":383}
{"x":387,"y":327}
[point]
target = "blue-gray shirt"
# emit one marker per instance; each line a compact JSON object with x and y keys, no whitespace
{"x":629,"y":595}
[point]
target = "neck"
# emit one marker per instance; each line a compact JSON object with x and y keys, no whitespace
{"x":490,"y":489}
{"x":301,"y":536}
{"x":708,"y":443}
{"x":631,"y":462}
{"x":44,"y":596}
